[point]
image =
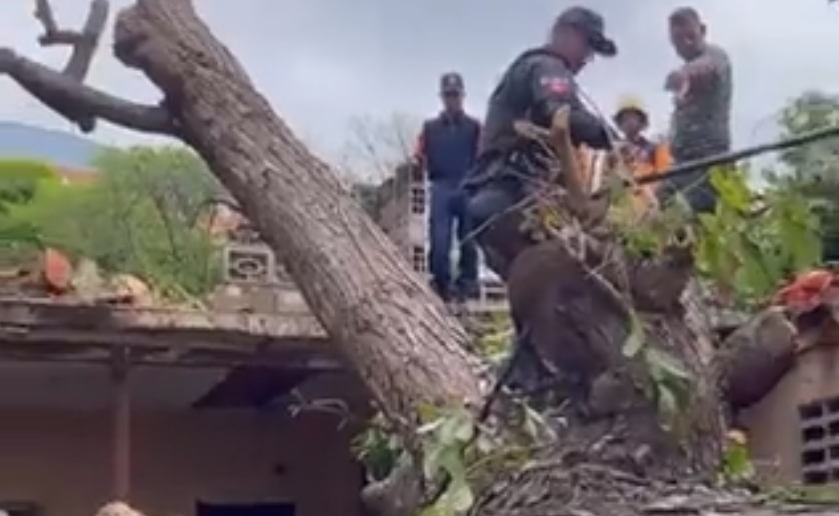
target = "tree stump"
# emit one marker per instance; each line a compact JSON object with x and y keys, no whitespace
{"x":614,"y":457}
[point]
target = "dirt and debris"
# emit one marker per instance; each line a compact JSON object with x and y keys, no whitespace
{"x":53,"y":275}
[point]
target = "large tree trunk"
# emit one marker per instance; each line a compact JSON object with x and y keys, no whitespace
{"x":385,"y":319}
{"x":614,"y":457}
{"x":581,"y":324}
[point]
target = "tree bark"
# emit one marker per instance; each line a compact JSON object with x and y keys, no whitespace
{"x":382,"y":316}
{"x":613,"y":456}
{"x":582,"y":325}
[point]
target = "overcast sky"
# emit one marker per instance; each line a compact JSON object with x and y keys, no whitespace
{"x":322,"y":62}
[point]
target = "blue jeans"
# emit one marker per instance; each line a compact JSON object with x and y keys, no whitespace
{"x":448,"y":218}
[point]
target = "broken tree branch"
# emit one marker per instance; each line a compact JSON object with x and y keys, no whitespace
{"x":84,"y":45}
{"x":559,"y":139}
{"x":65,"y":93}
{"x":84,"y":42}
{"x":753,"y":359}
{"x":82,"y":104}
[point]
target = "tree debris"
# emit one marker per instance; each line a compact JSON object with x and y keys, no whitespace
{"x":617,"y":453}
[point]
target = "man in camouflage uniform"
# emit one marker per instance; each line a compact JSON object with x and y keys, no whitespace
{"x":702,"y":90}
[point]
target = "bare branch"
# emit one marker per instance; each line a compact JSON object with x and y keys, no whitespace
{"x":82,"y":104}
{"x":378,"y":146}
{"x":64,"y":91}
{"x":84,"y":42}
{"x":566,"y":170}
{"x":44,"y":14}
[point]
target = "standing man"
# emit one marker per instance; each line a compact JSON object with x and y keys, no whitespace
{"x":644,"y":156}
{"x":702,"y":90}
{"x":447,"y":146}
{"x":536,"y":85}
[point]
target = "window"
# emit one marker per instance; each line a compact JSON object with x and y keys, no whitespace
{"x":418,"y":200}
{"x":419,"y":259}
{"x":249,"y":264}
{"x":819,"y":427}
{"x":417,"y":174}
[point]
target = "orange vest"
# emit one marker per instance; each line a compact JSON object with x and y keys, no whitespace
{"x":652,"y":158}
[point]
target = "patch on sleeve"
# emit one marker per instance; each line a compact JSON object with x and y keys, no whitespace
{"x":557,"y":85}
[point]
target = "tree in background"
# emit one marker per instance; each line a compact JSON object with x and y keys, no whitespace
{"x":139,"y":217}
{"x":376,"y":147}
{"x":813,"y":169}
{"x":615,"y":454}
{"x":20,"y":180}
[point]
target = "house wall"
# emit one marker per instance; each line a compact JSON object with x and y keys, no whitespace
{"x":62,"y":461}
{"x":793,"y":431}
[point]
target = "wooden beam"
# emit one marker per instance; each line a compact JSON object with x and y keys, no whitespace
{"x":34,"y":329}
{"x":315,"y":360}
{"x":24,"y":314}
{"x":121,"y":424}
{"x":315,"y":363}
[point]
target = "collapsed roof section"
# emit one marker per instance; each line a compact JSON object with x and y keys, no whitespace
{"x":55,"y":311}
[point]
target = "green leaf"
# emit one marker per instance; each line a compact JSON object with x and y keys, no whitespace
{"x":635,"y":341}
{"x":730,"y":183}
{"x":456,"y":426}
{"x":428,"y":412}
{"x":458,"y":498}
{"x":431,"y":426}
{"x":737,"y":463}
{"x":432,"y":462}
{"x":464,"y":429}
{"x":668,"y":404}
{"x":664,"y":367}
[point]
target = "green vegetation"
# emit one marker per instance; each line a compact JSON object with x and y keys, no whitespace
{"x":747,"y":248}
{"x":140,"y":216}
{"x":19,"y":182}
{"x":813,"y":169}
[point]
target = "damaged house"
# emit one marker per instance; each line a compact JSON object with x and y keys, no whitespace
{"x":113,"y":396}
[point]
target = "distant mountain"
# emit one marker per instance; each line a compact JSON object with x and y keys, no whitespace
{"x":61,"y":148}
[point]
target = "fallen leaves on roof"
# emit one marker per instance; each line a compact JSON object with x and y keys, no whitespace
{"x":55,"y":276}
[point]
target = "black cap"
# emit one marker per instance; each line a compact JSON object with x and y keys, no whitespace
{"x":451,"y":82}
{"x":592,"y":25}
{"x":685,"y":15}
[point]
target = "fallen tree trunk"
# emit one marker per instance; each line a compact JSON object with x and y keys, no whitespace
{"x":614,"y":456}
{"x":389,"y":325}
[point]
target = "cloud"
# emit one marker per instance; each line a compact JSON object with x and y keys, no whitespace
{"x":321,"y":62}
